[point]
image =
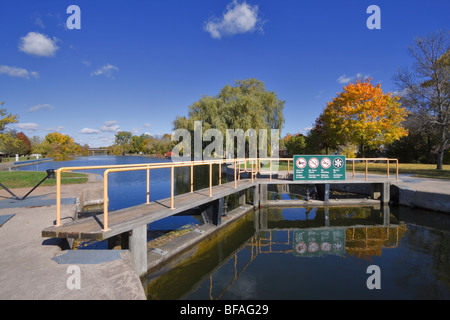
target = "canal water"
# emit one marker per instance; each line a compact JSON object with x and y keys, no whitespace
{"x":388,"y":252}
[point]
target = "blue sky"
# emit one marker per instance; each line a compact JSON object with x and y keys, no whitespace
{"x":136,"y":65}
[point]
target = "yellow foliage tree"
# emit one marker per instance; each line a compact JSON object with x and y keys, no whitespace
{"x":6,"y":118}
{"x":60,"y":146}
{"x":363,"y":115}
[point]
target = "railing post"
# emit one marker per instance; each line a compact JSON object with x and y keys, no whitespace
{"x":353,"y":166}
{"x":270,"y":170}
{"x":239,"y":169}
{"x":252,"y":171}
{"x":396,"y":175}
{"x":192,"y":178}
{"x":171,"y":187}
{"x":367,"y":164}
{"x":235,"y":182}
{"x":58,"y":198}
{"x":148,"y":184}
{"x":105,"y":200}
{"x":210,"y":180}
{"x":288,"y":169}
{"x":387,"y":168}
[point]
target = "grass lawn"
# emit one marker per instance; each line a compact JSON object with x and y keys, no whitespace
{"x":25,"y":179}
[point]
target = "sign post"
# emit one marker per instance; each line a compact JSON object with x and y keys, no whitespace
{"x":319,"y":167}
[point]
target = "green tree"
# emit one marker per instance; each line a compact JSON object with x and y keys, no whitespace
{"x":246,"y":105}
{"x":323,"y":137}
{"x":122,"y":141}
{"x":294,"y":144}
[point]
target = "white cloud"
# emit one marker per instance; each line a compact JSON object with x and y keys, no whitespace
{"x":30,"y":127}
{"x":18,"y":72}
{"x":401,"y":93}
{"x":110,"y":126}
{"x":239,"y":18}
{"x":319,"y":95}
{"x":89,"y":131}
{"x":38,"y":44}
{"x":39,"y":22}
{"x":305,"y":130}
{"x":346,"y":79}
{"x":41,"y":106}
{"x":107,"y":71}
{"x":55,"y":129}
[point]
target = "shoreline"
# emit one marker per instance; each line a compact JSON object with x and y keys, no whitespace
{"x":8,"y":166}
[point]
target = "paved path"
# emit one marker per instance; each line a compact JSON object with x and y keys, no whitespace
{"x":33,"y":267}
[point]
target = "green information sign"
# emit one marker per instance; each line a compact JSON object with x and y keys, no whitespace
{"x":318,"y":242}
{"x":312,"y":167}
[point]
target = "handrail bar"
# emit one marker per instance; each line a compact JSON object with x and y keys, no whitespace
{"x":255,"y":169}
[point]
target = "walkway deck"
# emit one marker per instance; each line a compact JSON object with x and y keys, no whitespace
{"x":127,"y":219}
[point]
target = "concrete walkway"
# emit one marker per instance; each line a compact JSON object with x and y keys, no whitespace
{"x":430,"y":194}
{"x":33,"y":267}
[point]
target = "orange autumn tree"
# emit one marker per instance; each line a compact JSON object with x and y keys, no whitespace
{"x":363,"y":115}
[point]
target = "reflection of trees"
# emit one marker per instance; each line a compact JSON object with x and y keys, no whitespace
{"x":309,"y":217}
{"x":364,"y":242}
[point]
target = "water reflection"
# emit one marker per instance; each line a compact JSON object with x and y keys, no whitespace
{"x":257,"y":258}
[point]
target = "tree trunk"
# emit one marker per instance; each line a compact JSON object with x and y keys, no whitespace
{"x":362,"y":149}
{"x":442,"y":145}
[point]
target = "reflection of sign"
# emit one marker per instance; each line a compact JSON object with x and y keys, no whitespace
{"x":319,"y":167}
{"x":317,"y":242}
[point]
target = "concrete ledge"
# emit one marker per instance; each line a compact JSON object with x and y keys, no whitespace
{"x":12,"y":165}
{"x":318,"y":203}
{"x":425,"y":200}
{"x":87,"y":256}
{"x":186,"y":241}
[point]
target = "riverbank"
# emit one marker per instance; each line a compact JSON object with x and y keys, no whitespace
{"x":18,"y":164}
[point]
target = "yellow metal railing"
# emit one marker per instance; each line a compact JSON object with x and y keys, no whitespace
{"x":368,"y":160}
{"x":240,"y":166}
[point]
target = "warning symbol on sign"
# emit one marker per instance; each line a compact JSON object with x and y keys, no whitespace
{"x":301,"y":163}
{"x":313,"y":163}
{"x":338,"y":163}
{"x":325,"y":163}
